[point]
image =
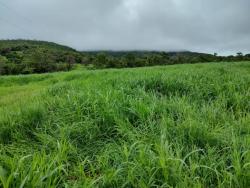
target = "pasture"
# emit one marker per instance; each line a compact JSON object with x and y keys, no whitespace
{"x":163,"y":126}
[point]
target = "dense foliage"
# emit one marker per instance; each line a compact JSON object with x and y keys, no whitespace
{"x":147,"y":58}
{"x":168,"y":126}
{"x":24,"y":57}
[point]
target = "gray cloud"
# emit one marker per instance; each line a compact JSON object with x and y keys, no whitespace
{"x":199,"y":25}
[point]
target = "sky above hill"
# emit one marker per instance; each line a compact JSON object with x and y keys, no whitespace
{"x":221,"y":26}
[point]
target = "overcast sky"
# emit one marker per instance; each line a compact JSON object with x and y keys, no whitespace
{"x":221,"y":26}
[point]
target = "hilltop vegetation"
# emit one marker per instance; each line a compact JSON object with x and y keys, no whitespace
{"x":25,"y":57}
{"x":167,"y":126}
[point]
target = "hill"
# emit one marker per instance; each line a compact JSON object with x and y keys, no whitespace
{"x":25,"y":57}
{"x":19,"y":44}
{"x":163,"y":126}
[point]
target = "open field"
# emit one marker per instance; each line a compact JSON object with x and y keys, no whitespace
{"x":170,"y":126}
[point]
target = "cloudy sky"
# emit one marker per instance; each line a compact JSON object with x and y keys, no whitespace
{"x":221,"y":26}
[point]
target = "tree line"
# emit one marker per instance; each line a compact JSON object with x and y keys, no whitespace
{"x":26,"y":57}
{"x":141,"y":59}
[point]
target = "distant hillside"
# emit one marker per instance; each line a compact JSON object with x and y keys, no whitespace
{"x":121,"y":59}
{"x":33,"y":44}
{"x":141,"y":53}
{"x":26,"y":56}
{"x":29,"y":56}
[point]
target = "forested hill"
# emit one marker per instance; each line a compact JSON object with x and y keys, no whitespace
{"x":26,"y":56}
{"x":29,"y":56}
{"x":34,"y":44}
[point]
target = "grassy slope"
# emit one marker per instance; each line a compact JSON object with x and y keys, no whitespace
{"x":181,"y":125}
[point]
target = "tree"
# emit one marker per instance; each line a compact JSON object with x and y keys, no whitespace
{"x":3,"y":59}
{"x":239,"y":54}
{"x":3,"y":64}
{"x":101,"y":60}
{"x":130,"y":59}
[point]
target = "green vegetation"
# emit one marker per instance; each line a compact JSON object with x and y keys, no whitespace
{"x":168,"y":126}
{"x":26,"y":57}
{"x":124,"y":59}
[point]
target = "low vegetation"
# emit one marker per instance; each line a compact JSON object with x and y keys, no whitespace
{"x":168,"y":126}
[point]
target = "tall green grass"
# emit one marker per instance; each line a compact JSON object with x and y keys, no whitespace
{"x":173,"y":126}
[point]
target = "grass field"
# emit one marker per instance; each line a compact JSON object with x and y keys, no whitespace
{"x":171,"y":126}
